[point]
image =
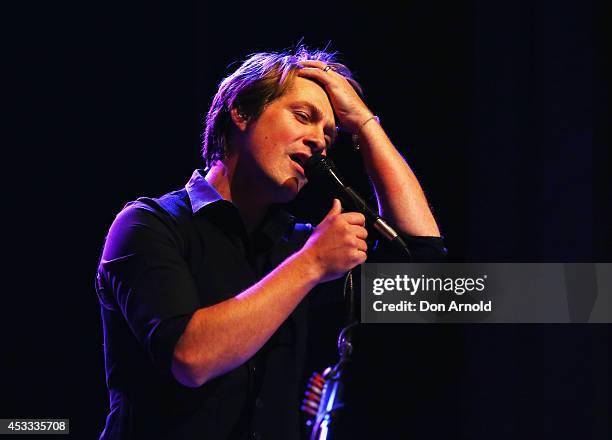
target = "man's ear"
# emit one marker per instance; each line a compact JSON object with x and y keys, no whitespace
{"x":239,"y":119}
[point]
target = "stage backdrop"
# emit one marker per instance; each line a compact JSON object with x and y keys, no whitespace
{"x":499,"y":107}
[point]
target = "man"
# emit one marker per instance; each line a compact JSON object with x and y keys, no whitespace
{"x":203,"y":290}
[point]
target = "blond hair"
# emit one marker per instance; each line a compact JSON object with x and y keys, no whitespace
{"x":260,"y":79}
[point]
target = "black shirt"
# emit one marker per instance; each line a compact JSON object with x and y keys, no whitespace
{"x":163,"y":260}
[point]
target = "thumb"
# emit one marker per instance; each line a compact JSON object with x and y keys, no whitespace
{"x":335,"y":209}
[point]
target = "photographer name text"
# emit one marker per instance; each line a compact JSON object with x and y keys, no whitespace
{"x":401,"y":285}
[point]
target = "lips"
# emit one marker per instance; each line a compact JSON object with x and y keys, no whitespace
{"x":299,"y":159}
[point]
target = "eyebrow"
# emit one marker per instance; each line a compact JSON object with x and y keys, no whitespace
{"x":330,"y":130}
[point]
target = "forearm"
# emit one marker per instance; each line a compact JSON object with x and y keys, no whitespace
{"x":222,"y":337}
{"x":400,"y":196}
{"x":398,"y":191}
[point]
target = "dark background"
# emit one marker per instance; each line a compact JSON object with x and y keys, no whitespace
{"x":500,"y":107}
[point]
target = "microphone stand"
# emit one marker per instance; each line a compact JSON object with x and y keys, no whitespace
{"x":330,"y":387}
{"x":333,"y":389}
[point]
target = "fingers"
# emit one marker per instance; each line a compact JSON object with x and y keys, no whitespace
{"x":316,"y":74}
{"x":354,"y":218}
{"x":335,"y":210}
{"x":350,"y":229}
{"x":355,"y":222}
{"x":348,"y":106}
{"x":318,"y":65}
{"x":359,"y":256}
{"x":360,"y":232}
{"x":362,"y":246}
{"x":358,"y":250}
{"x":318,"y":70}
{"x":355,"y":238}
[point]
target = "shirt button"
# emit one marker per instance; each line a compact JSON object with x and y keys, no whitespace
{"x":256,"y":436}
{"x":259,"y":402}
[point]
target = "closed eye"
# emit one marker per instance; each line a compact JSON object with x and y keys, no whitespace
{"x":302,"y":116}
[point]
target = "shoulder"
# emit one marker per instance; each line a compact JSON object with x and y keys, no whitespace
{"x":174,"y":206}
{"x":147,"y":220}
{"x":169,"y":210}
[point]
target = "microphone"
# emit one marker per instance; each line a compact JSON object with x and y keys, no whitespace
{"x":322,"y":170}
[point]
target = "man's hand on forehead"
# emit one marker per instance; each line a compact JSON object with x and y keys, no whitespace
{"x":348,"y":106}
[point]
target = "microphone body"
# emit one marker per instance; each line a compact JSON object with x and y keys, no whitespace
{"x":321,"y":169}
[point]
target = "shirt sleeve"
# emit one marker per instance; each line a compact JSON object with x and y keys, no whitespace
{"x":148,"y":280}
{"x":422,"y":250}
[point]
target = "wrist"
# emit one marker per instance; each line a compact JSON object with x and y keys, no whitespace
{"x":373,"y":119}
{"x":309,"y":265}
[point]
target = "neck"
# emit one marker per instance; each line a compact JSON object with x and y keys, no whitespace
{"x":223,"y":177}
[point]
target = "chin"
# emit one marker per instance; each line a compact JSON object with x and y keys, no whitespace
{"x":291,"y":187}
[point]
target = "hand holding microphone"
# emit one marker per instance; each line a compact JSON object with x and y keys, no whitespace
{"x":321,"y":170}
{"x":338,"y":243}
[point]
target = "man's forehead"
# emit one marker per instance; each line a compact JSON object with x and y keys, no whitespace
{"x":306,"y":91}
{"x":303,"y":88}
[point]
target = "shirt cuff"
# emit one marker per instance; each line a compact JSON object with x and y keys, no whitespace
{"x":164,"y":339}
{"x":422,"y":250}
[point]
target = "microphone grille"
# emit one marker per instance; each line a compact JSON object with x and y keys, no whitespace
{"x":318,"y":166}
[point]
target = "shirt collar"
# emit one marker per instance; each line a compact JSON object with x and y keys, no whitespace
{"x":277,"y":223}
{"x":201,"y":193}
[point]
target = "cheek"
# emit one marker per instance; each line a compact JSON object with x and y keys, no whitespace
{"x":275,"y":142}
{"x":286,"y":128}
{"x":274,"y":138}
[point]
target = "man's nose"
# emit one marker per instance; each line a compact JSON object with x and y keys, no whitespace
{"x":316,"y":143}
